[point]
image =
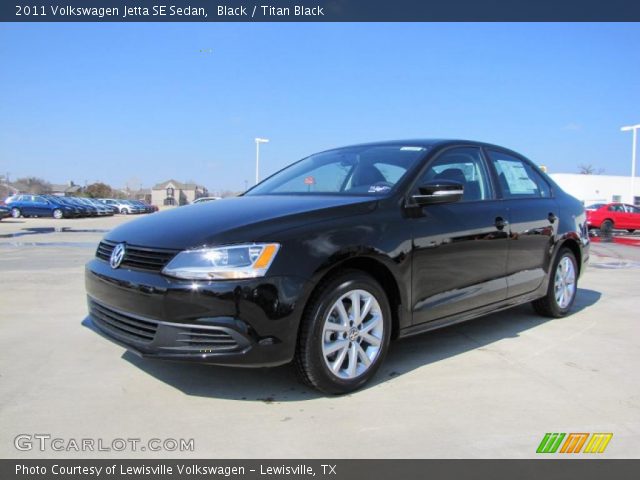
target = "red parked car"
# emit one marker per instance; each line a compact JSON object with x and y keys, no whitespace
{"x":609,"y":216}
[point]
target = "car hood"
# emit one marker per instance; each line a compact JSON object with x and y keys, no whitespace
{"x":232,"y":220}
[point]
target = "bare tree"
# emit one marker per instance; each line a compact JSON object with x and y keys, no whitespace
{"x":32,"y":185}
{"x":589,"y":169}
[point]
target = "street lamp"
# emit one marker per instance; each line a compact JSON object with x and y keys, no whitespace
{"x":634,"y":129}
{"x":258,"y":142}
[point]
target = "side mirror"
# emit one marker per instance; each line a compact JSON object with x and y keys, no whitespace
{"x":438,"y":191}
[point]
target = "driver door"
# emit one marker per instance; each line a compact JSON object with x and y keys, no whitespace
{"x":459,"y":248}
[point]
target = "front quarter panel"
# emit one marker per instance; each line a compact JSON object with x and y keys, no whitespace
{"x":312,"y":251}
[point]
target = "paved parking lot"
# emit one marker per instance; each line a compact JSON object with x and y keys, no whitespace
{"x":490,"y":388}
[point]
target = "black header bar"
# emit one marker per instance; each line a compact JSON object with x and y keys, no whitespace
{"x":320,"y":11}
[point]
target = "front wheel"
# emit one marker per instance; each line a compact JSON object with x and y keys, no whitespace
{"x":57,"y":214}
{"x":15,"y":212}
{"x":563,"y":286}
{"x":345,"y":333}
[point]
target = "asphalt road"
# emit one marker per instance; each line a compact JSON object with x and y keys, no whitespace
{"x":490,"y":388}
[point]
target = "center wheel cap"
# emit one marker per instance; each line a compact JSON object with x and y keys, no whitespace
{"x":353,"y":334}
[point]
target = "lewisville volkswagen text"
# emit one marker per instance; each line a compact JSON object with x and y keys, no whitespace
{"x":329,"y":259}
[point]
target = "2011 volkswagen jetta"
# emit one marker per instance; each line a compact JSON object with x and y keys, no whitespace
{"x":328,"y":260}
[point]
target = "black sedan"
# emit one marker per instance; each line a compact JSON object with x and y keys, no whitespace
{"x":328,"y":260}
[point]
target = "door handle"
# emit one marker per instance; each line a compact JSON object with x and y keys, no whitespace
{"x":501,"y":223}
{"x":552,"y":217}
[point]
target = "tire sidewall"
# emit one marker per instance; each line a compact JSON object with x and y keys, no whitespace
{"x":333,"y":291}
{"x":607,"y":226}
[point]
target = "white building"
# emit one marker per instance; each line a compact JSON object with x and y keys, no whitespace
{"x":174,"y":193}
{"x":599,"y":188}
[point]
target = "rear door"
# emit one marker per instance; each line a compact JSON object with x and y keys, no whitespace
{"x":533,"y":217}
{"x":28,"y":205}
{"x":459,"y":248}
{"x":633,"y":217}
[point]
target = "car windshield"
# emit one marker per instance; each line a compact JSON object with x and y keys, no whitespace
{"x":367,"y":170}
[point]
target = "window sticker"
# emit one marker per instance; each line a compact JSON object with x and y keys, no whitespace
{"x":517,"y":178}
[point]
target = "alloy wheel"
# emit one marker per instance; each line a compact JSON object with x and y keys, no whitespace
{"x":565,"y":282}
{"x":352,"y":334}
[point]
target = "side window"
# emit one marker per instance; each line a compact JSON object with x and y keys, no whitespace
{"x":465,"y":166}
{"x":517,"y":178}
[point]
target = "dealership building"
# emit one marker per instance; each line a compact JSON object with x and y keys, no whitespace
{"x":599,"y":188}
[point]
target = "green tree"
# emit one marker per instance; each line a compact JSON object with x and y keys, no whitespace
{"x":99,"y":190}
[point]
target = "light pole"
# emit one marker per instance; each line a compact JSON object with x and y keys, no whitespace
{"x":258,"y":142}
{"x":634,"y":129}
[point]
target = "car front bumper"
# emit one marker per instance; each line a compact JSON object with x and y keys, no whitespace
{"x":244,"y":323}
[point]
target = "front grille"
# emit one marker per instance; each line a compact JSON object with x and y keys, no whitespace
{"x":122,"y":325}
{"x":164,"y":335}
{"x":207,"y":339}
{"x":142,"y":258}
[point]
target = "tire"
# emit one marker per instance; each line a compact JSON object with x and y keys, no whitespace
{"x":15,"y":212}
{"x":563,"y":286}
{"x":606,"y":227}
{"x":124,"y":211}
{"x":631,"y":230}
{"x":355,"y":357}
{"x":57,"y":214}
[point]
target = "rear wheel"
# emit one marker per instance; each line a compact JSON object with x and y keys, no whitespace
{"x":15,"y":212}
{"x":563,"y":286}
{"x":57,"y":213}
{"x":607,"y":227}
{"x":345,"y":333}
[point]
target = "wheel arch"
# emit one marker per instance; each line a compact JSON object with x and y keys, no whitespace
{"x":377,"y":270}
{"x":573,"y":245}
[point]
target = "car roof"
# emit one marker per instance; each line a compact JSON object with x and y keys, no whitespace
{"x":426,"y":143}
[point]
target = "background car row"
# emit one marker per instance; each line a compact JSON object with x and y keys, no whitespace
{"x":26,"y":205}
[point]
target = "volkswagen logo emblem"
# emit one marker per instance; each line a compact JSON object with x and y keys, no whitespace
{"x":117,"y":255}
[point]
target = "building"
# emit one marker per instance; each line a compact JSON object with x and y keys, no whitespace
{"x":143,"y":194}
{"x":173,"y":192}
{"x":599,"y":188}
{"x":65,"y":189}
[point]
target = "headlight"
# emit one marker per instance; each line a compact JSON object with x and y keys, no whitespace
{"x":232,"y":262}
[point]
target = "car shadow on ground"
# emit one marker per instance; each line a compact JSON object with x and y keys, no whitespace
{"x":279,"y":384}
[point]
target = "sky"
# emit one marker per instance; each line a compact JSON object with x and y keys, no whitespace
{"x":141,"y":103}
